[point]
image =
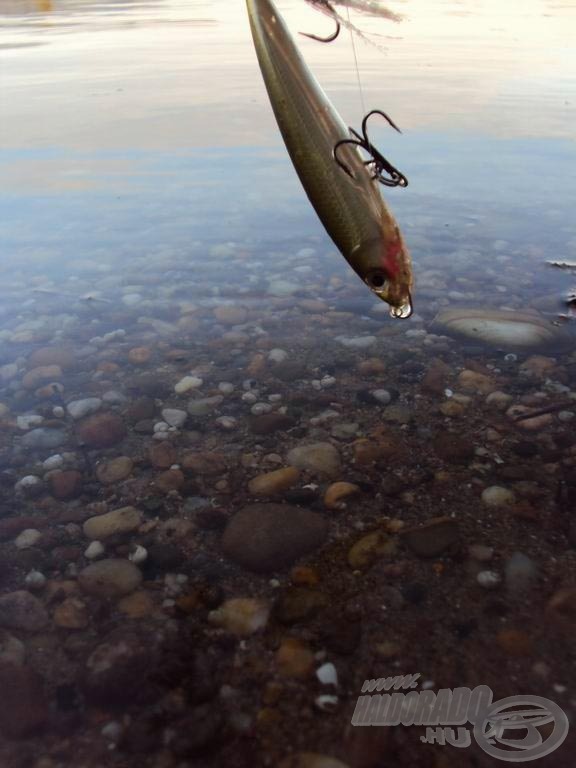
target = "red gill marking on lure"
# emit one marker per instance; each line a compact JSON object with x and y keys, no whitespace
{"x":390,"y":260}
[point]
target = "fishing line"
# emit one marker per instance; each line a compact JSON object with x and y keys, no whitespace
{"x":362,"y":104}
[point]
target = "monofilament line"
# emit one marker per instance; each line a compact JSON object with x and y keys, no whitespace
{"x":356,"y":61}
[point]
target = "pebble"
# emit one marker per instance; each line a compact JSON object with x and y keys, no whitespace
{"x":357,"y":342}
{"x":453,"y":449}
{"x":28,"y":538}
{"x":188,"y":383}
{"x":71,"y":613}
{"x":275,"y":482}
{"x":337,"y":493}
{"x":21,"y":610}
{"x":381,"y":396}
{"x":317,"y":458}
{"x":327,"y":674}
{"x":241,"y":615}
{"x":174,"y":417}
{"x":115,"y":470}
{"x":65,"y":485}
{"x":53,"y":462}
{"x":35,"y":580}
{"x":111,"y":578}
{"x":204,"y":406}
{"x":277,"y":355}
{"x":78,"y":409}
{"x":514,"y":642}
{"x":433,"y":538}
{"x":294,"y":658}
{"x":93,"y":550}
{"x":270,"y":537}
{"x":499,"y":400}
{"x":520,"y":573}
{"x":118,"y":521}
{"x":44,"y":439}
{"x":230,"y":314}
{"x":472,"y":381}
{"x":226,"y":387}
{"x":138,"y":355}
{"x":43,"y":374}
{"x":28,"y":421}
{"x":270,"y":423}
{"x":101,"y":430}
{"x":12,"y":650}
{"x":489,"y":579}
{"x":260,"y":408}
{"x":371,"y":547}
{"x":138,"y":555}
{"x":497,"y":496}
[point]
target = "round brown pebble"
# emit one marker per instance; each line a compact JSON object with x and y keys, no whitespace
{"x":102,"y":430}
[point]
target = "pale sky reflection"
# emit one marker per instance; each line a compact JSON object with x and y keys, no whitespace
{"x":174,"y":74}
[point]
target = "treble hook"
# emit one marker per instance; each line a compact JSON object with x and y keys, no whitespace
{"x":377,"y":160}
{"x":325,"y":7}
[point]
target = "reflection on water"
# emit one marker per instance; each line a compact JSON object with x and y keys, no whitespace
{"x":176,"y":330}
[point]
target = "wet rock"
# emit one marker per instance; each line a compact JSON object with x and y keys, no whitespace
{"x":269,"y":537}
{"x":472,"y":381}
{"x":142,"y":409}
{"x":24,"y":710}
{"x":151,"y":385}
{"x":499,"y":400}
{"x":110,"y":578}
{"x":514,"y":642}
{"x":43,"y":439}
{"x":520,"y":573}
{"x":538,"y":366}
{"x":162,"y":455}
{"x":170,"y":480}
{"x":118,"y":672}
{"x":21,"y":610}
{"x":139,"y":355}
{"x":206,"y":464}
{"x":62,"y":357}
{"x":138,"y":605}
{"x":561,"y":608}
{"x":71,"y":613}
{"x":453,"y":449}
{"x":115,"y":470}
{"x":41,"y":375}
{"x":436,"y":377}
{"x":78,"y":409}
{"x":272,"y":483}
{"x":371,"y":547}
{"x":502,"y":329}
{"x":337,"y":493}
{"x":433,"y":538}
{"x":318,"y":458}
{"x":294,"y":658}
{"x":102,"y":430}
{"x":241,"y":615}
{"x":65,"y":485}
{"x":117,"y":521}
{"x":269,"y":423}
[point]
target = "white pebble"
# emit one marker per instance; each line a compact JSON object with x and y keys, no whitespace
{"x":326,"y":702}
{"x":112,"y":731}
{"x":382,"y":396}
{"x":276,"y":398}
{"x":277,"y":355}
{"x":327,"y":381}
{"x":259,"y":408}
{"x":29,"y":421}
{"x":327,"y":674}
{"x":226,"y":422}
{"x":93,"y":550}
{"x":58,"y":412}
{"x":53,"y":462}
{"x":80,"y":408}
{"x":249,"y":397}
{"x":496,"y":496}
{"x":226,"y":387}
{"x":161,"y":426}
{"x":28,"y":481}
{"x":174,"y":416}
{"x":566,"y":415}
{"x":188,"y":383}
{"x":488,"y":579}
{"x":139,"y":555}
{"x":35,"y":580}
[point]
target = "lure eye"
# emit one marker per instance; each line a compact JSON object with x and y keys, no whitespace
{"x":377,"y":280}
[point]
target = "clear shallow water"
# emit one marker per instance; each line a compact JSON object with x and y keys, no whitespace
{"x":137,"y":127}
